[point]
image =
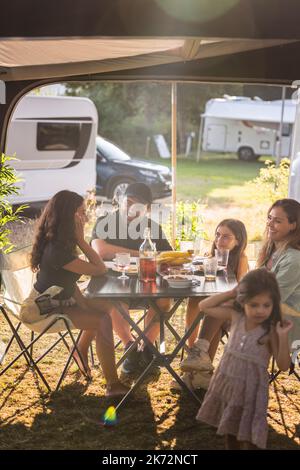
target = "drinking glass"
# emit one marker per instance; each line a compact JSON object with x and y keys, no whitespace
{"x":123,"y":262}
{"x":210,"y":267}
{"x":198,"y":245}
{"x":222,"y":256}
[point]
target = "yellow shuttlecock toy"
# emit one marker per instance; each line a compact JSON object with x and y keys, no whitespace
{"x":110,"y":416}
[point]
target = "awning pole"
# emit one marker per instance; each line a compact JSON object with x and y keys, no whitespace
{"x":279,"y":149}
{"x":199,"y":146}
{"x":174,"y":159}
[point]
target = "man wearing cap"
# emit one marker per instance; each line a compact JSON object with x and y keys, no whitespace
{"x":123,"y":231}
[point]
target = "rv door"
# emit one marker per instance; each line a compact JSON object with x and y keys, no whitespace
{"x":216,"y":138}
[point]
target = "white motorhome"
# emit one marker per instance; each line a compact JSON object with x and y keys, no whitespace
{"x":54,"y":140}
{"x":248,"y":127}
{"x":294,"y":179}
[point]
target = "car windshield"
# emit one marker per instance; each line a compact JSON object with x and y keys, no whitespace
{"x":110,"y":151}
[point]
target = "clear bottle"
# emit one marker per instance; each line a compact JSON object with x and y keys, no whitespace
{"x":147,"y":259}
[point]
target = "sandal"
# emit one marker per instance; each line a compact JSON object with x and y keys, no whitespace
{"x":84,"y":369}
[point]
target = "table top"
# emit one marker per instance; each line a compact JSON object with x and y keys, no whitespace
{"x":109,"y":286}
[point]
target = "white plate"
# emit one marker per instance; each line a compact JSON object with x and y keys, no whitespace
{"x":199,"y":267}
{"x":133,"y":260}
{"x":133,"y":269}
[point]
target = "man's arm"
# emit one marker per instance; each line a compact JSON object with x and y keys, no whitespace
{"x":107,"y":251}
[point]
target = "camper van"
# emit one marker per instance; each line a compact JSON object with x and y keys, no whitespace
{"x":248,"y":127}
{"x":54,"y":141}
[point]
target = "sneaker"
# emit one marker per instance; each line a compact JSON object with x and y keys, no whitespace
{"x":131,"y":364}
{"x":146,"y":357}
{"x":186,"y":378}
{"x":194,"y":380}
{"x":197,"y":358}
{"x":201,"y":379}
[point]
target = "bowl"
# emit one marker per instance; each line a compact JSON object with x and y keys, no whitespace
{"x":179,"y":281}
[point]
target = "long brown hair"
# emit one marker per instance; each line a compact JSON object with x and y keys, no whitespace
{"x":255,"y":282}
{"x":292,"y":211}
{"x":239,"y":231}
{"x":56,"y":224}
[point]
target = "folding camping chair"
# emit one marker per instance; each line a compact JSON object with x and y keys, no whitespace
{"x":287,"y":310}
{"x":17,"y":280}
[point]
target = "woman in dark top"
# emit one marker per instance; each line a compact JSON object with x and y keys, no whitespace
{"x":60,"y":233}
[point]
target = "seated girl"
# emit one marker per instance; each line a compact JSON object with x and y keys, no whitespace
{"x":230,"y":234}
{"x":60,"y":232}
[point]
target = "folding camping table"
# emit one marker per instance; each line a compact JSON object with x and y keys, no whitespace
{"x":117,"y":291}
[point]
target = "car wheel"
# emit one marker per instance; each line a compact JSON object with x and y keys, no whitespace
{"x":246,"y":154}
{"x":118,"y":188}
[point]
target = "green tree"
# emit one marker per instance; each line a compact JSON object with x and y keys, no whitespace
{"x":8,"y":214}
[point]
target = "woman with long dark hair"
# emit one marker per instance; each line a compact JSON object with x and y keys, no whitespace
{"x":280,"y":254}
{"x":54,"y":257}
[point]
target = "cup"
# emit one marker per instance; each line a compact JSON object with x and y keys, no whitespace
{"x":123,"y":262}
{"x":222,"y":256}
{"x":198,"y":247}
{"x":210,"y":266}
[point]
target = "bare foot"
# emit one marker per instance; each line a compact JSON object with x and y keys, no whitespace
{"x":84,"y":369}
{"x":116,"y":389}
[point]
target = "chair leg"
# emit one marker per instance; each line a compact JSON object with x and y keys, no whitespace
{"x":273,"y":374}
{"x":92,"y":355}
{"x":25,"y":350}
{"x":74,"y":348}
{"x":61,"y":338}
{"x":12,"y":338}
{"x":30,"y":361}
{"x":16,"y":336}
{"x":31,"y":340}
{"x":293,"y":372}
{"x":296,"y":374}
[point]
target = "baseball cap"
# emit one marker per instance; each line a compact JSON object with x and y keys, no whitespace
{"x":139,"y":191}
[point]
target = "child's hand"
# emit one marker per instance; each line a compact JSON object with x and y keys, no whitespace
{"x":282,"y":328}
{"x":233,"y":292}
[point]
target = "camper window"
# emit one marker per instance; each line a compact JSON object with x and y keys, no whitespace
{"x":57,"y":136}
{"x":286,"y":129}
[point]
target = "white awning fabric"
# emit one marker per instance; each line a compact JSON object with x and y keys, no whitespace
{"x":34,"y":58}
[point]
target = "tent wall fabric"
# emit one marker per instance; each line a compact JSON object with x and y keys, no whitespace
{"x":267,"y":19}
{"x":55,"y":58}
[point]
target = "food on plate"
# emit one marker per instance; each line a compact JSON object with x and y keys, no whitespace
{"x":174,"y":258}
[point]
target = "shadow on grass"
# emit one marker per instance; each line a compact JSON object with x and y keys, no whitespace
{"x":189,"y":434}
{"x":72,"y":418}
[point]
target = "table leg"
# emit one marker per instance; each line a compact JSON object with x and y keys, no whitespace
{"x":159,"y":356}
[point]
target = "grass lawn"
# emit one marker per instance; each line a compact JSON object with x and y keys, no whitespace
{"x":220,"y":183}
{"x":216,"y":179}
